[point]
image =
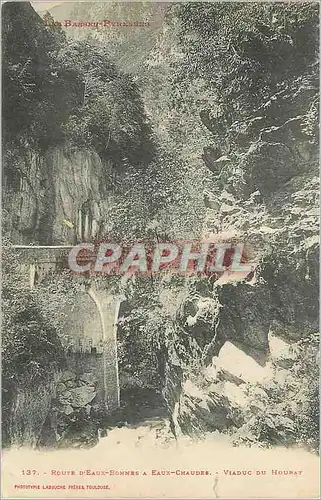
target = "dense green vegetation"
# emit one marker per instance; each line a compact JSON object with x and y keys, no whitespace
{"x":110,"y":117}
{"x":57,"y":90}
{"x":31,"y":346}
{"x":30,"y":338}
{"x":38,"y":92}
{"x":225,"y":101}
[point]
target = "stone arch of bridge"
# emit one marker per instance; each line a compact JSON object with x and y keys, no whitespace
{"x":37,"y":262}
{"x":91,"y":340}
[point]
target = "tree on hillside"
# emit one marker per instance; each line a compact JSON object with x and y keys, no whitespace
{"x":111,"y":116}
{"x":38,"y":93}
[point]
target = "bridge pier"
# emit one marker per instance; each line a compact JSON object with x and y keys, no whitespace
{"x":32,"y":275}
{"x":108,"y":307}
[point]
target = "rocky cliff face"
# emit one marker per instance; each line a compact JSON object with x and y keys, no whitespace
{"x":262,"y":153}
{"x":240,"y":124}
{"x":54,"y":195}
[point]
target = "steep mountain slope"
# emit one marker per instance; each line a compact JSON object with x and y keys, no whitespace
{"x":245,"y":84}
{"x":216,"y":132}
{"x":127,"y":46}
{"x":69,"y":114}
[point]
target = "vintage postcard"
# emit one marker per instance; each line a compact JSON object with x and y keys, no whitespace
{"x":160,"y":239}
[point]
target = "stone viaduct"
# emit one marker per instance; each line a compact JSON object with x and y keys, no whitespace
{"x":92,"y":327}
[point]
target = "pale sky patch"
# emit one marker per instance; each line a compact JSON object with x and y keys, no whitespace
{"x":41,"y":6}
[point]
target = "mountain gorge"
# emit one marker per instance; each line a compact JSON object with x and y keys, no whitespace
{"x":203,"y":123}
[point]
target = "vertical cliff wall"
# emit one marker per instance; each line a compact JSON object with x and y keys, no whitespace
{"x":55,"y":196}
{"x":245,"y":88}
